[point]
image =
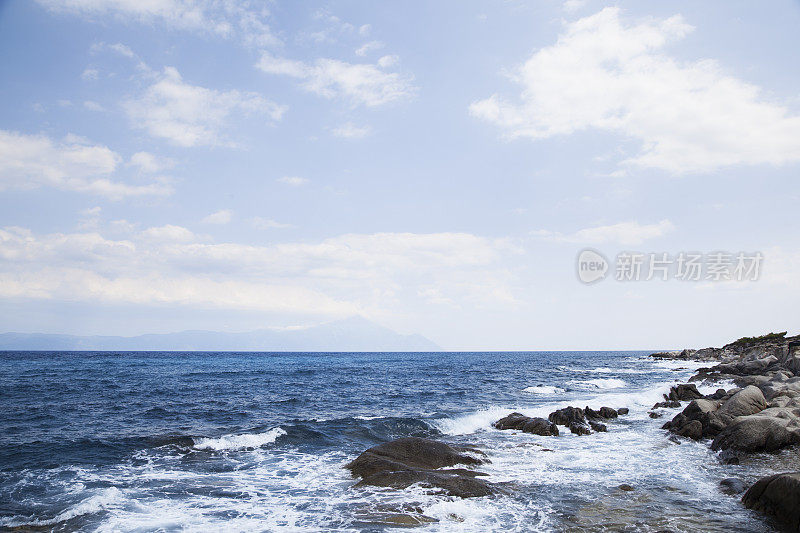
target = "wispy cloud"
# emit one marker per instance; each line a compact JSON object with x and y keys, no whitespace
{"x":190,"y":115}
{"x":361,"y":83}
{"x":294,"y":181}
{"x":74,"y":164}
{"x":242,"y":20}
{"x":629,"y":233}
{"x":349,"y":130}
{"x":220,"y":217}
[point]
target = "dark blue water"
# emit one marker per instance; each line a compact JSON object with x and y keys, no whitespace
{"x":256,"y":441}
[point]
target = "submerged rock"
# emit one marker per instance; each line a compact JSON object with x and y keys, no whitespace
{"x":404,"y":462}
{"x":579,"y":428}
{"x":732,"y":485}
{"x":777,"y":495}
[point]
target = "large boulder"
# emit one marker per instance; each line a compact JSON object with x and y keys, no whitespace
{"x":777,"y":495}
{"x":748,"y":401}
{"x":757,"y":433}
{"x":527,"y":424}
{"x":404,"y":462}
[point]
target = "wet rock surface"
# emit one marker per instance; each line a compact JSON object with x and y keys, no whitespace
{"x":760,"y":414}
{"x":777,"y":495}
{"x":411,"y":460}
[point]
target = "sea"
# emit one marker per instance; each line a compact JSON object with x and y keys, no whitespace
{"x":168,"y":441}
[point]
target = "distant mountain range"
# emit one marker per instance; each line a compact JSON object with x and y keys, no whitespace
{"x":353,"y":334}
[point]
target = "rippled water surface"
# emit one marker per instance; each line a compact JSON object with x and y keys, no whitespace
{"x":256,"y":441}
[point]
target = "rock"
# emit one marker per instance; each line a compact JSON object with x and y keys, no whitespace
{"x":654,"y":414}
{"x":526,"y":424}
{"x":701,"y":411}
{"x":685,"y":392}
{"x":512,"y":421}
{"x":692,"y":430}
{"x":623,"y":411}
{"x":406,"y":461}
{"x":579,"y":428}
{"x":540,"y":426}
{"x":669,"y":403}
{"x":720,"y":394}
{"x":732,"y":485}
{"x":567,"y":415}
{"x":625,"y":487}
{"x":608,"y":412}
{"x":747,"y":401}
{"x":729,"y":457}
{"x":756,"y":433}
{"x":597,"y":426}
{"x":777,"y":495}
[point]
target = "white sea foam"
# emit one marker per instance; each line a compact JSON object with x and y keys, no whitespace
{"x":470,"y":423}
{"x":239,"y":442}
{"x":598,"y":383}
{"x":543,"y":389}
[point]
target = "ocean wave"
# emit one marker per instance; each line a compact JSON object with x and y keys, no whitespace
{"x":239,"y":442}
{"x":543,"y":389}
{"x":470,"y":423}
{"x":598,"y":383}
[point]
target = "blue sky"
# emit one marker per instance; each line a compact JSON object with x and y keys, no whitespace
{"x":433,"y":166}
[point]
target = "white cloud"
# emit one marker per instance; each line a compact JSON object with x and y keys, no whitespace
{"x":362,"y":84}
{"x":629,"y":233}
{"x":168,"y":233}
{"x":221,"y":217}
{"x":32,"y":161}
{"x":294,"y":181}
{"x":348,"y":130}
{"x":150,"y":163}
{"x":368,"y":47}
{"x":246,"y":21}
{"x":612,"y":75}
{"x":336,"y":276}
{"x":90,"y":74}
{"x":267,"y":223}
{"x":190,"y":115}
{"x":93,"y":106}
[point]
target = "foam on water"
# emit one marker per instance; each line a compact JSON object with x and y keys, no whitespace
{"x":543,"y":389}
{"x":598,"y":383}
{"x":239,"y":442}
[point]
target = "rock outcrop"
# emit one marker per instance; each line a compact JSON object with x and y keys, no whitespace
{"x":777,"y":495}
{"x":527,"y":424}
{"x":411,"y":460}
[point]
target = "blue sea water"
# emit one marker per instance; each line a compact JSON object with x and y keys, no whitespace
{"x":169,"y":441}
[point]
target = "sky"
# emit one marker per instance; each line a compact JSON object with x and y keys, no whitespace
{"x":435,"y":167}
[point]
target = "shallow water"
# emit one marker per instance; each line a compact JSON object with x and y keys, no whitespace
{"x":256,"y":441}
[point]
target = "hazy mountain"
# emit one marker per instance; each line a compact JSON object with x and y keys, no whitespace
{"x":352,"y":334}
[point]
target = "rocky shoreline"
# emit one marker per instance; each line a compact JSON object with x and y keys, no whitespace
{"x":761,"y":414}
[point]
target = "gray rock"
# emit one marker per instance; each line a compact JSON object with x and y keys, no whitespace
{"x":747,"y":401}
{"x":579,"y":428}
{"x":623,"y":411}
{"x":526,"y":424}
{"x":732,"y":485}
{"x":777,"y":495}
{"x":567,"y":415}
{"x":756,"y":433}
{"x":404,"y":462}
